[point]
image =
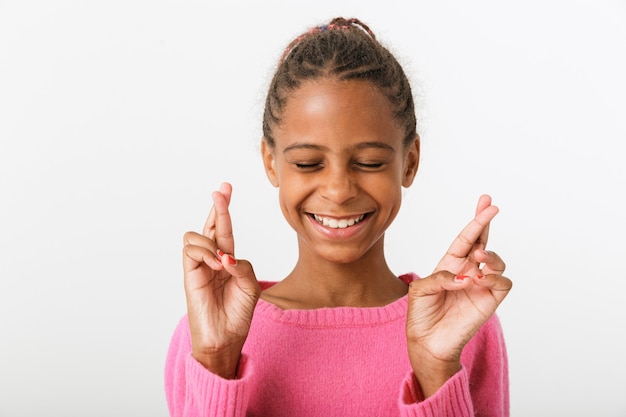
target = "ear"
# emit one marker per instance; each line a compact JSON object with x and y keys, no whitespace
{"x":269,"y":162}
{"x":411,"y":162}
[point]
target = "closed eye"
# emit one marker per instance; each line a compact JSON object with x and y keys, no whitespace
{"x":369,"y":165}
{"x":308,"y":166}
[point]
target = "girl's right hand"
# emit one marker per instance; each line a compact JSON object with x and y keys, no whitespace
{"x":221,"y":291}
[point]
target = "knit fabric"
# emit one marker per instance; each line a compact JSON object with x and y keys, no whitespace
{"x":341,"y":361}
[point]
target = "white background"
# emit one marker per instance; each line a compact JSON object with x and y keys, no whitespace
{"x":118,"y":119}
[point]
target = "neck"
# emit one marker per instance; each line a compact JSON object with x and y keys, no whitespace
{"x":316,"y":282}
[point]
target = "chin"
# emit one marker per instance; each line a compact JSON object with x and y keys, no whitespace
{"x":341,"y":256}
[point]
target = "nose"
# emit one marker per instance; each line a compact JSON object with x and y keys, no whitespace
{"x":338,"y":185}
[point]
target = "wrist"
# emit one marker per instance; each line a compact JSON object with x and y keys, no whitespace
{"x":431,"y":374}
{"x":223,"y":363}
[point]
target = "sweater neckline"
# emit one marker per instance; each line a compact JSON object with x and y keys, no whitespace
{"x":336,"y":316}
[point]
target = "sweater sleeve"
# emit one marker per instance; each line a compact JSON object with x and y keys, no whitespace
{"x":479,"y":389}
{"x":193,"y":391}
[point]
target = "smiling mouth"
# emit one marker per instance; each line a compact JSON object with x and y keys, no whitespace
{"x":334,"y":223}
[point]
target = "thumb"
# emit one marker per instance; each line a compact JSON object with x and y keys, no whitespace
{"x":240,"y":269}
{"x":438,"y":282}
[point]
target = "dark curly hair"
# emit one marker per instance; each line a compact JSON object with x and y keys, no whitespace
{"x":344,"y":49}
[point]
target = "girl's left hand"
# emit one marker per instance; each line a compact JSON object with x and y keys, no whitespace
{"x":448,"y":307}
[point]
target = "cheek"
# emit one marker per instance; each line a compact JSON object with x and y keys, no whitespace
{"x":389,"y":182}
{"x":290,"y":196}
{"x":285,"y":207}
{"x":293,"y":183}
{"x":388,"y":191}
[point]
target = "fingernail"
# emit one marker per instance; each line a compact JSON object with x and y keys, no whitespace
{"x":461,"y":278}
{"x":219,"y":253}
{"x":480,"y":276}
{"x":231,"y":260}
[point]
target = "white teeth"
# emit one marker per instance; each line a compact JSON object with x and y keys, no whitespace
{"x":338,"y":224}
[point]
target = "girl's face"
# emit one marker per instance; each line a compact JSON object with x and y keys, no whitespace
{"x":340,"y":163}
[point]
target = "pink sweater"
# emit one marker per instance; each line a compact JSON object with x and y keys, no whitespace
{"x":340,"y":361}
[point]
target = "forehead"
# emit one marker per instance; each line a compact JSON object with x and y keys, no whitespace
{"x":333,"y":112}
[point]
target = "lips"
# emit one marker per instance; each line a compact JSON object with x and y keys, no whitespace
{"x":338,"y":223}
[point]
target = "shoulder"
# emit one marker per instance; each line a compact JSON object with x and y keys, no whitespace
{"x":181,"y":331}
{"x":491,"y":329}
{"x":266,"y":284}
{"x":408,"y":277}
{"x":487,"y":345}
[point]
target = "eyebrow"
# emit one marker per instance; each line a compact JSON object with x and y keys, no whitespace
{"x":362,"y":145}
{"x":304,"y":146}
{"x":373,"y":144}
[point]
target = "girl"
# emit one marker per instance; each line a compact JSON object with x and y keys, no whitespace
{"x":341,"y":334}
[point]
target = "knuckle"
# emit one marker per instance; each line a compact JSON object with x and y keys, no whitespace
{"x":226,"y":234}
{"x":192,"y":238}
{"x":464,"y":239}
{"x":441,"y":275}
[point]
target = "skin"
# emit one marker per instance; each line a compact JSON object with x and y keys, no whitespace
{"x":339,"y":154}
{"x":335,"y":157}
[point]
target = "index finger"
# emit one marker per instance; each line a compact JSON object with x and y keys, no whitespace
{"x":209,"y":225}
{"x":484,"y":201}
{"x":475,"y":232}
{"x":223,"y":225}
